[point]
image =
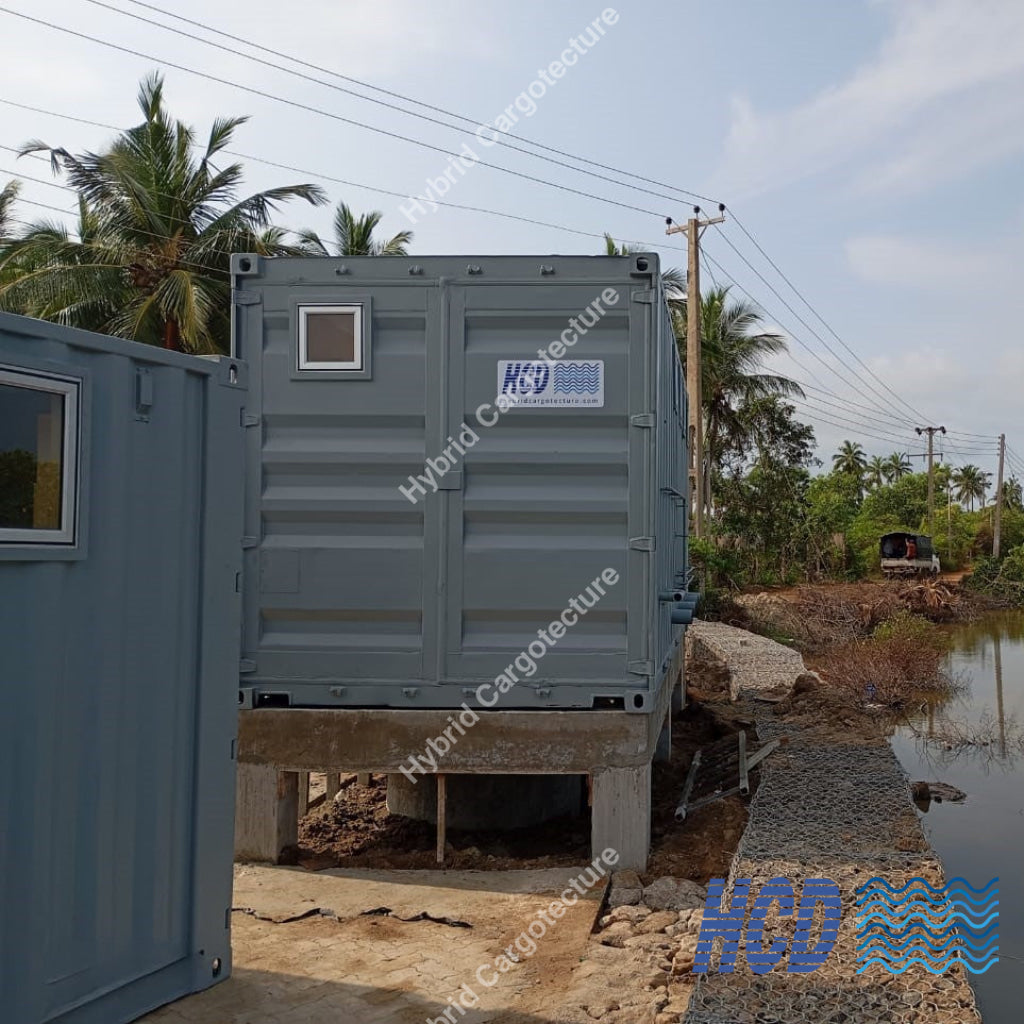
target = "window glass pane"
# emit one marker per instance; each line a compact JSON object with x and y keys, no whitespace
{"x":31,"y":458}
{"x":331,"y":338}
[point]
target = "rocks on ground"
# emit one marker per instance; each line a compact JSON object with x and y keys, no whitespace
{"x":656,"y":937}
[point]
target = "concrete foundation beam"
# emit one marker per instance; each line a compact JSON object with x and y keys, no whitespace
{"x":615,"y":748}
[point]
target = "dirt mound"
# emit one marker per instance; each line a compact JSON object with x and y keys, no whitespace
{"x":814,"y":618}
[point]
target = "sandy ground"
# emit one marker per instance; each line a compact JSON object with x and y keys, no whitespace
{"x":340,"y":946}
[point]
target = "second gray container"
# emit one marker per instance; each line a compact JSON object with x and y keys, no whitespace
{"x":449,"y":452}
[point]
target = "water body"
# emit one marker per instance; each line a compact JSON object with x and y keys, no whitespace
{"x":983,"y":837}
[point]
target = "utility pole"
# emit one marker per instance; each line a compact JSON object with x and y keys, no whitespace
{"x":931,"y":432}
{"x":997,"y":516}
{"x":693,"y":229}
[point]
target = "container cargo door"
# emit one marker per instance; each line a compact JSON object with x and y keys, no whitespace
{"x":334,"y":582}
{"x":542,"y":506}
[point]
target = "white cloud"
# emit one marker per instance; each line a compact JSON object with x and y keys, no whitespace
{"x":911,"y":113}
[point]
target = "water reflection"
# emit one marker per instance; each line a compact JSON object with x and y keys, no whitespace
{"x":973,"y":741}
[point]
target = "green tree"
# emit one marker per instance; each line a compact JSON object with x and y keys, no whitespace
{"x":8,"y":196}
{"x":833,"y":501}
{"x":157,"y":227}
{"x":851,"y":461}
{"x":896,"y":467}
{"x":970,"y":484}
{"x":354,"y":236}
{"x":874,"y":472}
{"x":899,"y":506}
{"x":734,"y":349}
{"x":1013,"y":496}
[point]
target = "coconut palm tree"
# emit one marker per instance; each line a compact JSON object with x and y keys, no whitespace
{"x":897,"y":466}
{"x":8,"y":195}
{"x":1013,"y":494}
{"x":970,"y":483}
{"x":874,"y":472}
{"x":353,"y":236}
{"x":850,"y":460}
{"x":674,"y":278}
{"x":158,"y":223}
{"x":734,"y":349}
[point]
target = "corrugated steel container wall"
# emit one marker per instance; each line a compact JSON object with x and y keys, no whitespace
{"x":117,"y":661}
{"x":356,"y":595}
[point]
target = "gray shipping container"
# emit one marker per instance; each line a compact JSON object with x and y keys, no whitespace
{"x":120,"y":530}
{"x":449,"y":450}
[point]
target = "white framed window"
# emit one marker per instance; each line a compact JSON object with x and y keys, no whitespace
{"x":332,"y":338}
{"x":39,"y":427}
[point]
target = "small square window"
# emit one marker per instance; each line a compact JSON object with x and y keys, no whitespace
{"x":331,"y":338}
{"x":38,"y":458}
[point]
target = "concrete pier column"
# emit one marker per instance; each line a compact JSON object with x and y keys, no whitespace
{"x":266,"y":812}
{"x":621,"y":815}
{"x":663,"y":751}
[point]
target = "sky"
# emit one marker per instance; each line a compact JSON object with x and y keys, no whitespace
{"x":873,"y":149}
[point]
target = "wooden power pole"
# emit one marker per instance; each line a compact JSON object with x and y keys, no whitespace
{"x":931,"y":432}
{"x":694,"y":392}
{"x":997,"y":515}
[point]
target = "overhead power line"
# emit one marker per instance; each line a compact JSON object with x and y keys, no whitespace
{"x":824,"y":322}
{"x":867,"y":384}
{"x":333,"y":179}
{"x":878,"y":409}
{"x":309,"y":108}
{"x":500,"y":140}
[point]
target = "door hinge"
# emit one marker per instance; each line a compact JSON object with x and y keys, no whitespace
{"x":250,"y":542}
{"x":246,"y":667}
{"x":249,"y":420}
{"x":641,"y":668}
{"x":642,"y":419}
{"x":243,"y":298}
{"x":644,"y":296}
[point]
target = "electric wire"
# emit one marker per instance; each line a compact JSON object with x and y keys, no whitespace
{"x":757,"y":245}
{"x":342,"y":181}
{"x":874,"y":409}
{"x":728,"y":241}
{"x":502,"y":140}
{"x":459,"y":206}
{"x":298,"y":105}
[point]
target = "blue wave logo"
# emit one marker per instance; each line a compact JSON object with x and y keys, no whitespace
{"x":578,"y":378}
{"x":918,"y":924}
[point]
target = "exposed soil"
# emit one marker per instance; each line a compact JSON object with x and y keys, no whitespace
{"x":816,"y":617}
{"x":356,"y":830}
